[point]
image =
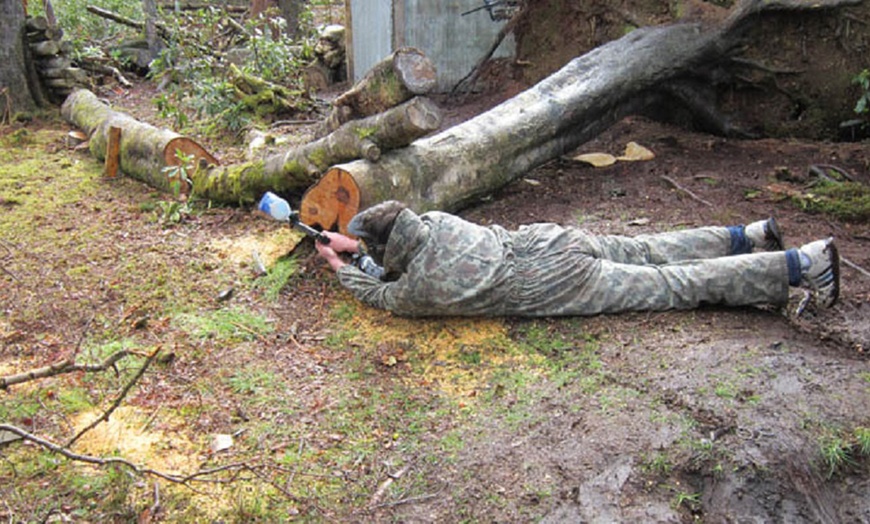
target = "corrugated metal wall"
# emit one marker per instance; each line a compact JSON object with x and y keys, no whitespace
{"x":453,"y":42}
{"x":371,"y":33}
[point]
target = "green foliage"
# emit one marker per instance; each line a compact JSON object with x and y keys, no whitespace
{"x":862,"y":435}
{"x":658,"y":464}
{"x":197,"y":82}
{"x":862,"y":80}
{"x":173,"y":212}
{"x":278,"y":276}
{"x":179,"y":175}
{"x":690,"y":501}
{"x":836,"y":454}
{"x":167,"y":108}
{"x":83,"y":28}
{"x":250,"y":381}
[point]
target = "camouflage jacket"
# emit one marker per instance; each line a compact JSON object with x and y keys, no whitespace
{"x":439,"y":264}
{"x":448,"y":266}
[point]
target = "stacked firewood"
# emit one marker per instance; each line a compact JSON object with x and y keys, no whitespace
{"x":330,"y":65}
{"x":51,"y":56}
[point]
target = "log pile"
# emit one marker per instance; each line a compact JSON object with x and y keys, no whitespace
{"x":330,"y":59}
{"x":145,"y":151}
{"x":51,"y":56}
{"x":387,"y":110}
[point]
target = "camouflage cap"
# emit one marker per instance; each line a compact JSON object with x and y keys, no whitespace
{"x":374,"y":226}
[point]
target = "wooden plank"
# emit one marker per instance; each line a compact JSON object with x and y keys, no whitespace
{"x":113,"y":152}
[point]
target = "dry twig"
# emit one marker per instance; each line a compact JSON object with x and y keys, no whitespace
{"x":65,"y":366}
{"x":140,"y":470}
{"x":105,"y":416}
{"x":682,"y":189}
{"x":855,"y":266}
{"x":391,"y":477}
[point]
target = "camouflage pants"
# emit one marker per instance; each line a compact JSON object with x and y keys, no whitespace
{"x":581,"y":274}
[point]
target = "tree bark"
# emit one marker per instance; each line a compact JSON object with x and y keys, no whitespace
{"x":290,"y":10}
{"x":155,"y":45}
{"x":294,"y":170}
{"x":456,"y":167}
{"x":16,"y":86}
{"x":144,"y":149}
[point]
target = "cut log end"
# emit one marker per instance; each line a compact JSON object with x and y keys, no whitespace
{"x":425,"y":114}
{"x":187,"y":147}
{"x":331,"y":202}
{"x":415,"y":70}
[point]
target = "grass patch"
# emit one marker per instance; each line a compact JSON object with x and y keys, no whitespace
{"x":277,"y":278}
{"x":253,"y":381}
{"x":862,"y":436}
{"x":836,"y":454}
{"x":657,"y":464}
{"x":225,"y":325}
{"x":849,"y":201}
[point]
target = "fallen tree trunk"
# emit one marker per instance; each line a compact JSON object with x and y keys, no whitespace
{"x":144,"y":149}
{"x":265,"y":98}
{"x":401,"y":76}
{"x":456,"y":167}
{"x":294,"y":170}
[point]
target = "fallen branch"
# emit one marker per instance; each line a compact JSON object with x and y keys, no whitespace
{"x":104,"y":69}
{"x":682,"y":189}
{"x":295,"y":169}
{"x":62,"y":367}
{"x":410,"y":500}
{"x":115,"y":17}
{"x":855,"y":266}
{"x":466,"y":83}
{"x":145,"y":150}
{"x":99,"y":461}
{"x":391,"y":477}
{"x":117,"y":402}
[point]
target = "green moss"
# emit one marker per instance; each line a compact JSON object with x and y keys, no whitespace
{"x":848,"y":201}
{"x":365,"y":132}
{"x":318,"y":157}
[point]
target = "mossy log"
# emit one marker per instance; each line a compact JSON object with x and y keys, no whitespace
{"x":294,"y":170}
{"x":144,"y":149}
{"x":265,"y":98}
{"x":406,"y":73}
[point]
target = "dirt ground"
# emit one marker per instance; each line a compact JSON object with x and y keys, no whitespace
{"x":346,"y":414}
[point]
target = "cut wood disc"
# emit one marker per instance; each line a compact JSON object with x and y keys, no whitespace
{"x":331,"y":202}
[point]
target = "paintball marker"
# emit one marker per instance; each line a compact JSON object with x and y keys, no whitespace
{"x":280,"y":210}
{"x":497,"y":9}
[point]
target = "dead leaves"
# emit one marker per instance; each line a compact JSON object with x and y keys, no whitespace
{"x":634,"y":152}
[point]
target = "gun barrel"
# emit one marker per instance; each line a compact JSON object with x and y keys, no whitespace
{"x":310,"y":231}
